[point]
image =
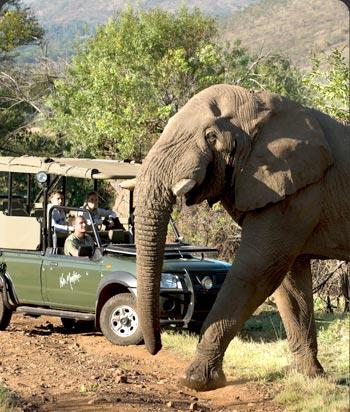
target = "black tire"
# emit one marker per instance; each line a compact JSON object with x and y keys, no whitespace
{"x":195,"y":327}
{"x":5,"y":314}
{"x":119,"y":321}
{"x":68,"y":323}
{"x":78,"y":325}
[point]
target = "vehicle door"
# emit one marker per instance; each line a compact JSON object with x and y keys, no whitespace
{"x":71,"y":282}
{"x":24,"y":271}
{"x":19,"y":250}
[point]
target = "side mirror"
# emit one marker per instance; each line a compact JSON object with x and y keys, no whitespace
{"x":85,"y":251}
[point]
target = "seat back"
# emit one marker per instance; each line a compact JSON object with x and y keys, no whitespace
{"x":124,"y":221}
{"x":19,"y":232}
{"x":119,"y":236}
{"x":38,"y":213}
{"x":19,"y":212}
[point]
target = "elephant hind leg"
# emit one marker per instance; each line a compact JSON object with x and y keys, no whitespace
{"x":295,"y":303}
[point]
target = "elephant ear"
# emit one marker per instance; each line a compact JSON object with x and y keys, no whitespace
{"x":289,"y":152}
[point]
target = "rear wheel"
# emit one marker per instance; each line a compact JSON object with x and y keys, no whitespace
{"x":119,"y":320}
{"x":5,"y":314}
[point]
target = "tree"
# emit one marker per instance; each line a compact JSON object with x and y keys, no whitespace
{"x":328,"y":82}
{"x":265,"y":71}
{"x":139,"y":69}
{"x":18,"y":27}
{"x":124,"y":84}
{"x":19,"y":90}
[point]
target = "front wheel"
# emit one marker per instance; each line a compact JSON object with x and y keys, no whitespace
{"x":119,"y":320}
{"x":5,"y":314}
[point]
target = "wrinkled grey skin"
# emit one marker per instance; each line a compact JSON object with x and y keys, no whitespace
{"x":282,"y":172}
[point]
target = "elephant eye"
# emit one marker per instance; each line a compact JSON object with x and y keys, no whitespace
{"x":211,"y":138}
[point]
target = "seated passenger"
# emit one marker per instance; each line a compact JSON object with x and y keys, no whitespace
{"x":58,"y":216}
{"x":78,"y":238}
{"x":98,"y":214}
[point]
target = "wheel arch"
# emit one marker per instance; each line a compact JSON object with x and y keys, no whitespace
{"x":111,"y":285}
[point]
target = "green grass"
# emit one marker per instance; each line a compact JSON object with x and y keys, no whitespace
{"x":8,"y":400}
{"x":320,"y":394}
{"x":260,"y":355}
{"x":323,"y":394}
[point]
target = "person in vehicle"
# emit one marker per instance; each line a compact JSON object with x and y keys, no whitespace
{"x":58,"y":216}
{"x":98,"y":214}
{"x":78,"y":238}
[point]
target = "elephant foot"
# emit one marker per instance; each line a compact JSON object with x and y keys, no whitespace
{"x":311,"y":368}
{"x":200,"y":377}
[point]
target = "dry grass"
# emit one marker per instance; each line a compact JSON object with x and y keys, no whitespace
{"x":264,"y":361}
{"x":294,"y":28}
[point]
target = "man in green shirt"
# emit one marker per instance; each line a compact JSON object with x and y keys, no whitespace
{"x":78,"y":238}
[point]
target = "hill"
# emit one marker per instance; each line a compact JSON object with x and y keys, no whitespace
{"x":97,"y":11}
{"x":291,"y":27}
{"x":68,"y":22}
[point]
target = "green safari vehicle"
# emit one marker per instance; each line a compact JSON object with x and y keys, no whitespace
{"x":99,"y":285}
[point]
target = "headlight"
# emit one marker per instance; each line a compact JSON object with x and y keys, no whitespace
{"x":170,"y":281}
{"x":207,"y":282}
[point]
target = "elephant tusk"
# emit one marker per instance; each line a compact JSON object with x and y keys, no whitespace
{"x":128,"y":184}
{"x":183,"y":186}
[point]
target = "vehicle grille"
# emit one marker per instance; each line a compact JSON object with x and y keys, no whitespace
{"x":218,"y":278}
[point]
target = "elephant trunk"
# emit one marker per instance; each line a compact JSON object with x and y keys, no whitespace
{"x":152,"y":214}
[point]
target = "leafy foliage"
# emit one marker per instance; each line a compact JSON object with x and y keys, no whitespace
{"x":17,"y":27}
{"x":270,"y":71}
{"x":140,"y":68}
{"x":328,"y":81}
{"x":209,"y":227}
{"x":136,"y":72}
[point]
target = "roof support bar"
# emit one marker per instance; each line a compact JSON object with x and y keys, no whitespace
{"x":29,"y":192}
{"x":45,"y":202}
{"x":131,"y":215}
{"x":64,"y":186}
{"x":9,"y":203}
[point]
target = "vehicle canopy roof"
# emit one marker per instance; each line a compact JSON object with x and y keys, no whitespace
{"x":70,"y":167}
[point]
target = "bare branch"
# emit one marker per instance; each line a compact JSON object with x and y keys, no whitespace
{"x":2,"y":3}
{"x":329,"y":275}
{"x":260,"y":57}
{"x":258,"y":60}
{"x":259,"y":84}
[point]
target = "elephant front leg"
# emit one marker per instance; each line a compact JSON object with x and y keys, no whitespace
{"x":295,"y":302}
{"x":237,"y":300}
{"x":271,"y":241}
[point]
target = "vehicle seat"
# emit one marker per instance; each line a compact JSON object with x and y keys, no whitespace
{"x":119,"y":236}
{"x":58,"y":240}
{"x":19,"y":212}
{"x":38,"y":213}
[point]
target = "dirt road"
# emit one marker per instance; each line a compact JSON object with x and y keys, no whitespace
{"x":52,"y":369}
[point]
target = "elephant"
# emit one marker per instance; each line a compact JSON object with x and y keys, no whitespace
{"x":281,"y":170}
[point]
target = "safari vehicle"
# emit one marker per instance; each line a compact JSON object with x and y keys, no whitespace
{"x":99,"y":285}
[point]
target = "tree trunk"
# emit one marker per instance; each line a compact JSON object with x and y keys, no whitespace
{"x":345,"y":289}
